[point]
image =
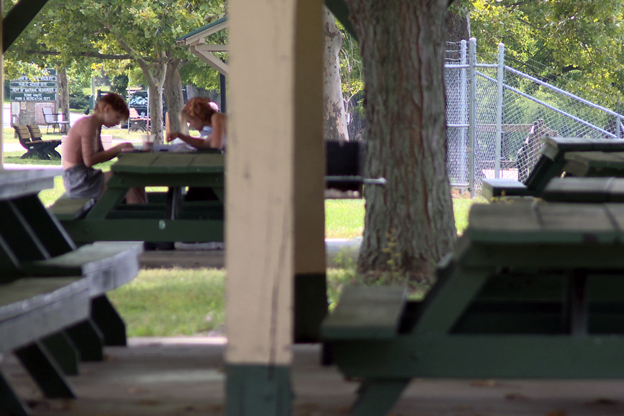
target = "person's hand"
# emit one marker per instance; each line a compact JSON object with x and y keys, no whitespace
{"x":125,"y":147}
{"x":172,"y":136}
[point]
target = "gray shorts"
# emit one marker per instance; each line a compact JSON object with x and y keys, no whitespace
{"x":83,"y":182}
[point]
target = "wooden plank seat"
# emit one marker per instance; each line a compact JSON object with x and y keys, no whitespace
{"x":584,"y":190}
{"x":67,"y":209}
{"x":531,"y":290}
{"x":551,"y":163}
{"x":38,"y":149}
{"x":31,"y":310}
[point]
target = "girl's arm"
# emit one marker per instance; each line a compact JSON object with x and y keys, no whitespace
{"x":196,"y":142}
{"x":218,"y":122}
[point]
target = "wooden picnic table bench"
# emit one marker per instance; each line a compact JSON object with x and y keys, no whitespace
{"x":34,"y":310}
{"x":552,"y":163}
{"x":586,"y":190}
{"x":35,"y":244}
{"x":167,"y":217}
{"x":531,"y":290}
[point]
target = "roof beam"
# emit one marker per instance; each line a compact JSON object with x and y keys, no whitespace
{"x":209,"y":58}
{"x":17,"y":19}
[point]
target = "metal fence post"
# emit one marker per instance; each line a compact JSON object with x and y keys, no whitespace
{"x":463,"y":113}
{"x":472,"y":115}
{"x":499,"y":109}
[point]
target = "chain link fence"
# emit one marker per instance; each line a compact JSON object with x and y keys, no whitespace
{"x":502,"y":114}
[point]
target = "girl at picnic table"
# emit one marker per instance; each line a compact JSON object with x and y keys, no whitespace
{"x":204,"y":116}
{"x":82,"y":148}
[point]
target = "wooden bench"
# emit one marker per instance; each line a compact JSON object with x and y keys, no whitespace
{"x":531,"y":290}
{"x":587,"y":190}
{"x":36,"y":135}
{"x":67,"y":209}
{"x":552,"y":163}
{"x":32,"y":310}
{"x":36,"y":148}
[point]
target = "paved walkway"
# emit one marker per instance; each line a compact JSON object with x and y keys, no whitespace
{"x":185,"y":376}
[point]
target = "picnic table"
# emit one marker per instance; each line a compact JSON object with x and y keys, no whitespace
{"x":531,"y":290}
{"x":167,"y":217}
{"x":551,"y":164}
{"x":53,"y":305}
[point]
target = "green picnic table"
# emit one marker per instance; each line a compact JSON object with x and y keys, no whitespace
{"x":167,"y":217}
{"x":532,"y":290}
{"x":551,"y":164}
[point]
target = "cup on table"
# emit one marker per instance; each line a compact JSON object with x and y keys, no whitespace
{"x":148,"y":142}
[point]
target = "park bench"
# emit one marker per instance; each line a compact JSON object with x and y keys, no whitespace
{"x":55,"y":120}
{"x":35,"y":135}
{"x":137,"y":122}
{"x":36,"y":148}
{"x":552,"y":163}
{"x":531,"y":290}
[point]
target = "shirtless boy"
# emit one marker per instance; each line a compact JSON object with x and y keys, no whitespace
{"x":82,"y":148}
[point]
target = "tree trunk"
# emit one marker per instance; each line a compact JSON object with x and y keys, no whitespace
{"x":334,"y":119}
{"x":173,"y":94}
{"x":409,"y":223}
{"x":63,"y":92}
{"x":457,"y":26}
{"x":155,"y":75}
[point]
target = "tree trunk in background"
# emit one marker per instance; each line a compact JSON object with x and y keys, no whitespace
{"x":409,"y":223}
{"x":334,"y":116}
{"x":457,"y":27}
{"x":155,"y":75}
{"x":63,"y":92}
{"x":173,"y":94}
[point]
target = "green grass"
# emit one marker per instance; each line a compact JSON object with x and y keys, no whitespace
{"x":167,"y":302}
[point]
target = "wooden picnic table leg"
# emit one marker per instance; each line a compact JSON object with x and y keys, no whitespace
{"x":88,"y":339}
{"x":174,"y":202}
{"x":9,"y":403}
{"x":108,"y":321}
{"x":49,"y":230}
{"x":64,"y":352}
{"x":111,"y":198}
{"x":576,"y":310}
{"x":377,"y":397}
{"x":44,"y":370}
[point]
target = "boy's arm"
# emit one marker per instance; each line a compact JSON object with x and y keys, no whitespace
{"x":93,"y":152}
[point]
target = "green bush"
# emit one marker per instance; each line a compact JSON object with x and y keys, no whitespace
{"x":78,"y":100}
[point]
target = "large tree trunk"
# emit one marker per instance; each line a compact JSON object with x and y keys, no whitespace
{"x":409,"y":223}
{"x":63,"y":93}
{"x":173,"y":94}
{"x":334,"y":119}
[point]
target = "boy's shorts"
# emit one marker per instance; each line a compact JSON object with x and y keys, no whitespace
{"x":83,"y":182}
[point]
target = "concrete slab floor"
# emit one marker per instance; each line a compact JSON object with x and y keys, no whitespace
{"x":184,"y":376}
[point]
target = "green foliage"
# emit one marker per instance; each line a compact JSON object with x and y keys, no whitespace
{"x":78,"y":100}
{"x":576,"y":45}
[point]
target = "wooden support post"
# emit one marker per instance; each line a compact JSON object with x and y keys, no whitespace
{"x":275,"y":118}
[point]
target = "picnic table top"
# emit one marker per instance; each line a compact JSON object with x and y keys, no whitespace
{"x":597,"y":158}
{"x":169,"y":163}
{"x":606,"y":189}
{"x":17,"y":183}
{"x":526,"y":222}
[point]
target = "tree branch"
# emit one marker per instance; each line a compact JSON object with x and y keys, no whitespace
{"x":83,"y":54}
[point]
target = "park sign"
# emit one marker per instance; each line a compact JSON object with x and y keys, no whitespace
{"x":42,"y":88}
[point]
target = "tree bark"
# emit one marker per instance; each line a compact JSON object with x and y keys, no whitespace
{"x":409,"y":223}
{"x":155,"y":75}
{"x":334,"y":118}
{"x":63,"y":92}
{"x":173,"y":93}
{"x":457,"y":26}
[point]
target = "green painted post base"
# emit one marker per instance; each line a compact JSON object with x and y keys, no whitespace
{"x":258,"y":390}
{"x":310,"y":306}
